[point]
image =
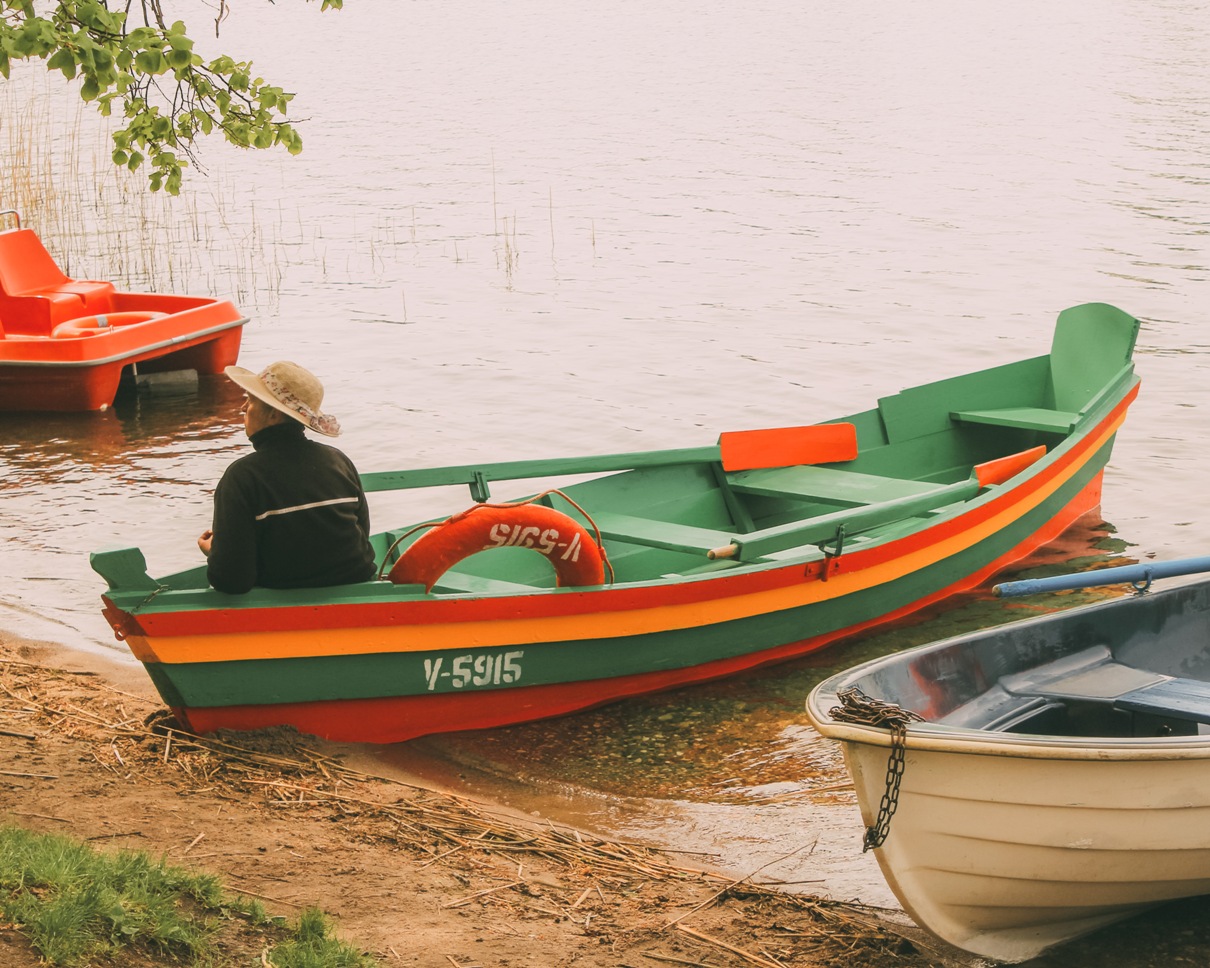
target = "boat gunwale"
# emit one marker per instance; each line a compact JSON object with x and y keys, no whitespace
{"x":174,"y":343}
{"x":967,"y":741}
{"x":754,"y":578}
{"x":191,"y":645}
{"x":938,"y":737}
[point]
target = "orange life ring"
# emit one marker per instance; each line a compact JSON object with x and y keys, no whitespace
{"x":567,"y":545}
{"x":95,"y":325}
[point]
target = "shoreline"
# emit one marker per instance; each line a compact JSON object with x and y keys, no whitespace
{"x":412,"y":874}
{"x":417,"y":875}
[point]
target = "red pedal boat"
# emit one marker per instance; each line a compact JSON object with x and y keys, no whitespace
{"x":64,"y":343}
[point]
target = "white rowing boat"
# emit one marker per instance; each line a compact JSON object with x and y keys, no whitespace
{"x":1057,"y":778}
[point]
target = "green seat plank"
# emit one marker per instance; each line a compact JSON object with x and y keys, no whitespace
{"x":455,"y":582}
{"x":758,"y":544}
{"x":1022,"y":418}
{"x":659,"y":534}
{"x":827,"y":484}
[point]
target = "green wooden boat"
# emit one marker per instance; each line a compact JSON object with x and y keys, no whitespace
{"x":662,"y":569}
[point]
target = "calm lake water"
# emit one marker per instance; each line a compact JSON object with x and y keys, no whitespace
{"x":527,"y":229}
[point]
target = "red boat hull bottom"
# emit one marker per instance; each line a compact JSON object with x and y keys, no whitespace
{"x":394,"y":719}
{"x":93,"y":387}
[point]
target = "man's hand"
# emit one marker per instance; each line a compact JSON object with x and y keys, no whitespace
{"x":204,"y":541}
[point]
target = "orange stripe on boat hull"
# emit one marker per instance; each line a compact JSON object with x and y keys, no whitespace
{"x":397,"y":719}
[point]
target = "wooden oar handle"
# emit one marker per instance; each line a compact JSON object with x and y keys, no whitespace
{"x":726,"y":551}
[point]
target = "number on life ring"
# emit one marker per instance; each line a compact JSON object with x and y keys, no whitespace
{"x":567,"y":545}
{"x":95,"y":325}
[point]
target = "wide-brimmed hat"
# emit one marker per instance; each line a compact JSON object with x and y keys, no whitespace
{"x":289,"y":388}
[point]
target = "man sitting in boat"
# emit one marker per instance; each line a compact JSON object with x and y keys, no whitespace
{"x":292,"y":514}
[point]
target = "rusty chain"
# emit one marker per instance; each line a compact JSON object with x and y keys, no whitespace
{"x":856,"y":707}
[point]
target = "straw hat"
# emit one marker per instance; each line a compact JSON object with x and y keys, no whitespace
{"x":292,"y":390}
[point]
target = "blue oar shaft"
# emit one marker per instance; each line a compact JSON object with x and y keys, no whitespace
{"x":1135,"y":574}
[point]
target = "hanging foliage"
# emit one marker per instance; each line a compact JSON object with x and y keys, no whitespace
{"x":149,"y":75}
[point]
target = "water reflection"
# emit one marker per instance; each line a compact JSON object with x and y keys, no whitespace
{"x":730,"y":768}
{"x":45,"y":447}
{"x":139,"y":473}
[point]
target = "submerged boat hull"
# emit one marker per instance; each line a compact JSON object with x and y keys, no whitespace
{"x":1011,"y":836}
{"x":384,"y":663}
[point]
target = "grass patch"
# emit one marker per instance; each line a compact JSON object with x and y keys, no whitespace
{"x":78,"y":906}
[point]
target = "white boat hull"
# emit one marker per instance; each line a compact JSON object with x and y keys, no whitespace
{"x":1006,"y":848}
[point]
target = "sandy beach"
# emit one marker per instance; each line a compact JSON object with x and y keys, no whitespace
{"x":413,"y":876}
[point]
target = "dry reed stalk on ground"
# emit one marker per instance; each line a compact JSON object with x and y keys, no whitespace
{"x":278,"y":768}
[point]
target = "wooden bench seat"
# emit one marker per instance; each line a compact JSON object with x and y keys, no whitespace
{"x":659,"y":534}
{"x":765,"y":545}
{"x":827,"y":485}
{"x":1022,"y":418}
{"x":457,"y":583}
{"x":1179,"y":698}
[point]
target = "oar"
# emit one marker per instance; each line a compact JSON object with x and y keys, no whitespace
{"x":825,"y":527}
{"x":1133,"y":574}
{"x":737,"y":451}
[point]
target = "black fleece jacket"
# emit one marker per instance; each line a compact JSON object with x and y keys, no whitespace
{"x":292,"y":514}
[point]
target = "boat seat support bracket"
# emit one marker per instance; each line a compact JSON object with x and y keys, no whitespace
{"x":480,"y":490}
{"x":831,"y":556}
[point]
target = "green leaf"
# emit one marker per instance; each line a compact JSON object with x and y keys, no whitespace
{"x":152,"y":77}
{"x":63,"y":61}
{"x":150,"y":62}
{"x":143,"y":37}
